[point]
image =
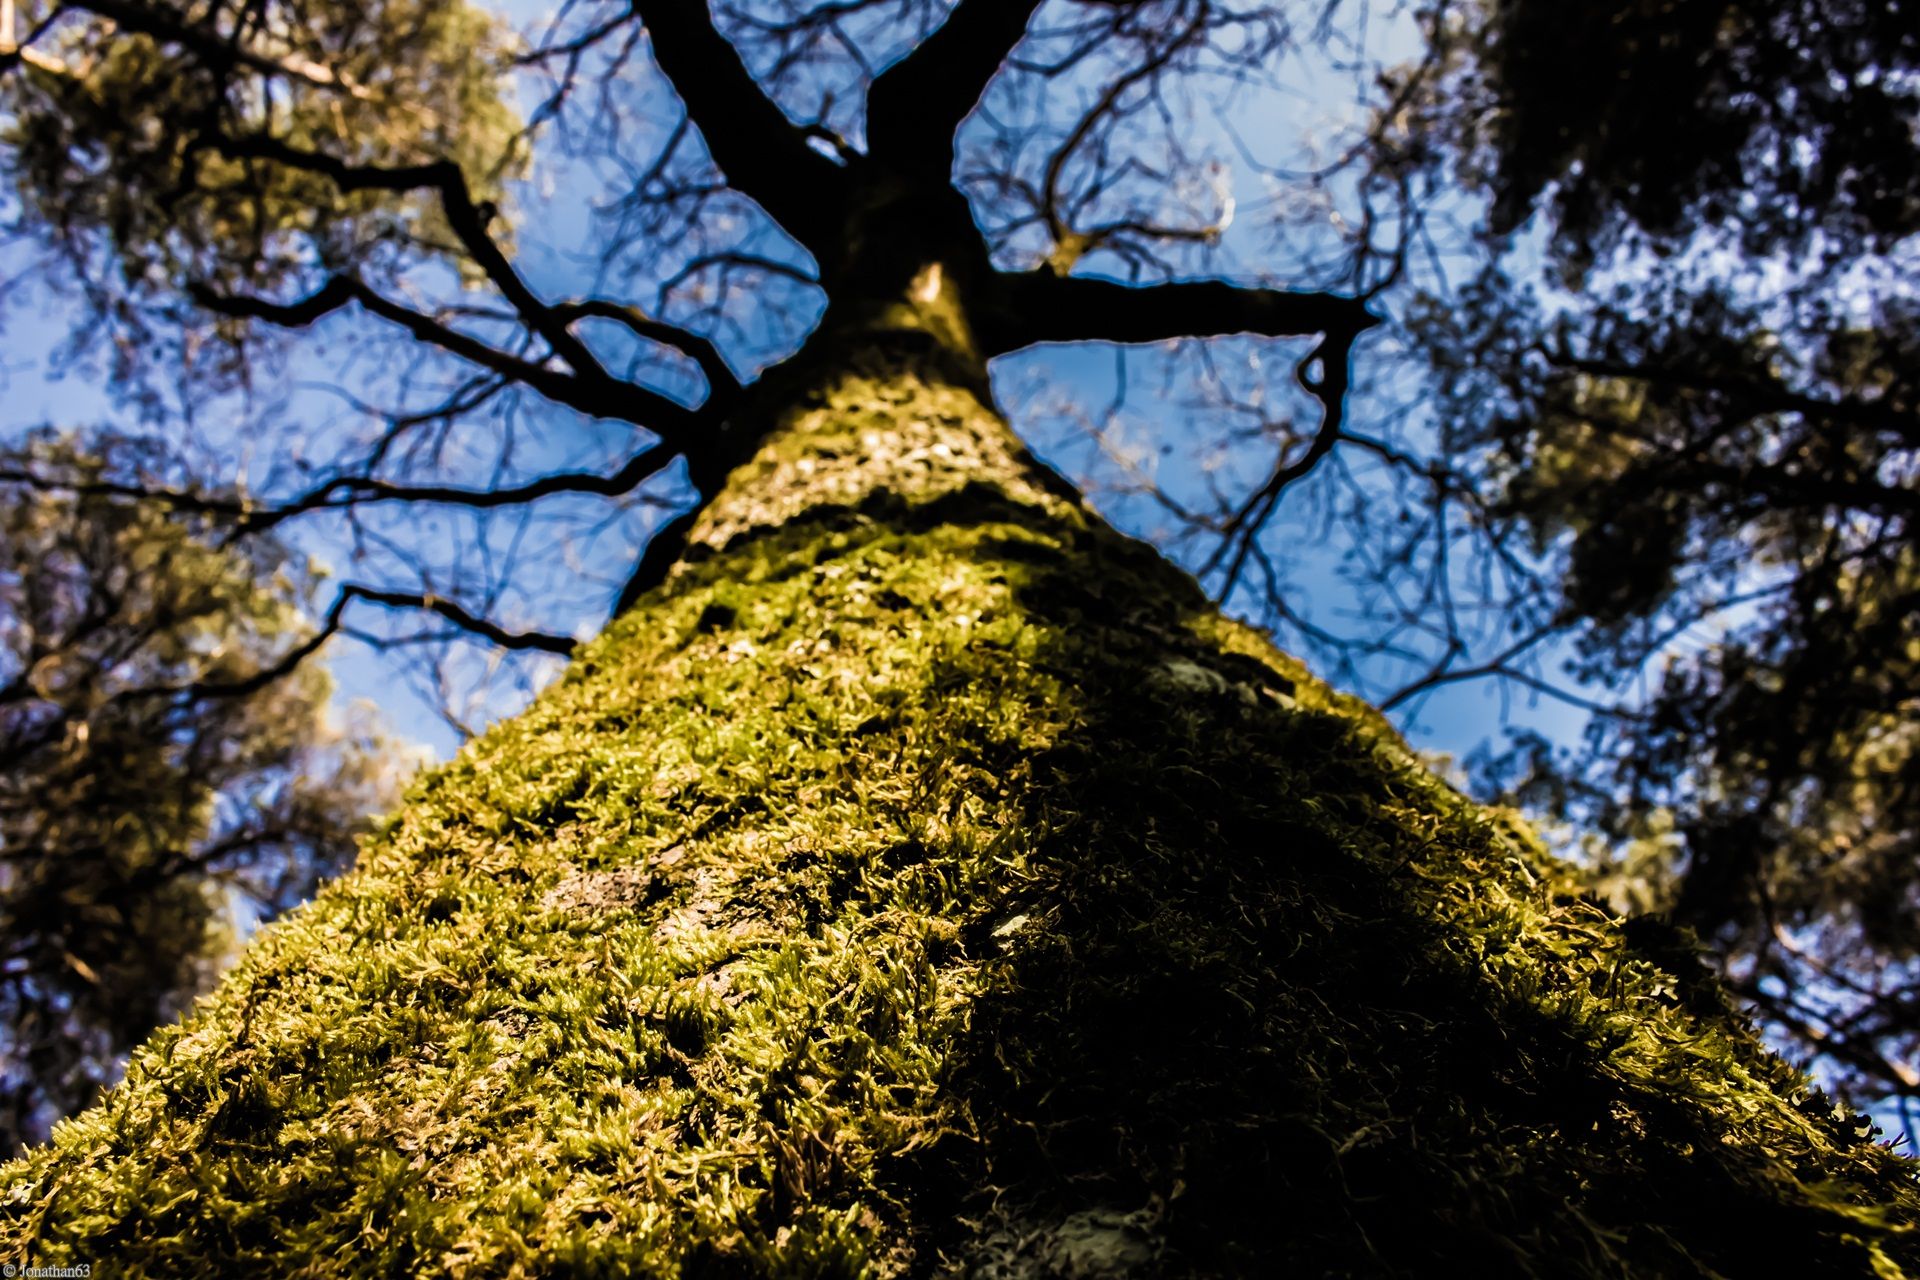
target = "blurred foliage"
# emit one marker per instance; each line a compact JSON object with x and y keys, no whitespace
{"x":1791,"y":120}
{"x":1703,"y":408}
{"x":158,"y":790}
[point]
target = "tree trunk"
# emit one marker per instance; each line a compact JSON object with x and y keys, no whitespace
{"x":926,"y":879}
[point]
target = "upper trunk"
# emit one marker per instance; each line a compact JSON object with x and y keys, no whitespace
{"x":925,"y":877}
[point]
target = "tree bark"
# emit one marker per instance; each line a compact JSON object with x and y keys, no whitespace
{"x":926,"y":879}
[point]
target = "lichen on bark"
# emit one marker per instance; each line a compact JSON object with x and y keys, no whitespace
{"x":925,"y":879}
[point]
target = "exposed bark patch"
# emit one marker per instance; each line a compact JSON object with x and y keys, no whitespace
{"x":600,"y":892}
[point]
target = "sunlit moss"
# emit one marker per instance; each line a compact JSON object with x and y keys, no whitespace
{"x":925,"y":878}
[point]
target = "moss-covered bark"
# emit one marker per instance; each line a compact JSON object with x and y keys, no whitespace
{"x":926,"y":880}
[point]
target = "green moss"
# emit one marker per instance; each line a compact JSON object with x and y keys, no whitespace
{"x":924,"y":877}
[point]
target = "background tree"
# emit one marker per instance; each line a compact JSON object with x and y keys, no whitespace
{"x":1686,"y":371}
{"x":166,"y":763}
{"x":919,"y":875}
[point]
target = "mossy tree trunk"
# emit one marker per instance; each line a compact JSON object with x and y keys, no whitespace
{"x":925,"y":879}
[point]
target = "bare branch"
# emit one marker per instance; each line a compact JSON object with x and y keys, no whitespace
{"x":467,"y":218}
{"x":1039,"y":306}
{"x":355,"y":490}
{"x":914,"y":109}
{"x":599,"y":395}
{"x":1334,"y":357}
{"x":459,"y":616}
{"x":1444,"y":673}
{"x":763,"y":154}
{"x":332,"y":624}
{"x":723,"y":384}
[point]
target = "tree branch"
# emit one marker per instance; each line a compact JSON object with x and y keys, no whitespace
{"x":1334,"y":355}
{"x":458,"y":615}
{"x":916,"y":106}
{"x":600,"y":395}
{"x":1757,"y":394}
{"x":352,"y":491}
{"x":214,"y":47}
{"x":331,"y":625}
{"x":1441,"y":673}
{"x":1038,"y":306}
{"x":763,"y":154}
{"x":15,"y":51}
{"x":722,"y":384}
{"x":468,"y":220}
{"x":348,"y":491}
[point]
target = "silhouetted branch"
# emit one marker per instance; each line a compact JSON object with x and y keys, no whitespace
{"x":914,"y":108}
{"x":1443,"y":673}
{"x":1334,"y":357}
{"x":459,"y":616}
{"x":761,"y":152}
{"x":467,"y":218}
{"x":1039,"y":306}
{"x":599,"y":395}
{"x":352,"y":491}
{"x":334,"y":622}
{"x":721,"y":380}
